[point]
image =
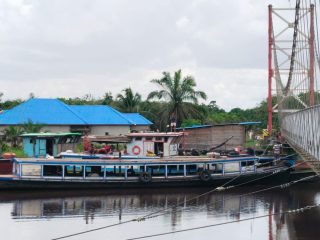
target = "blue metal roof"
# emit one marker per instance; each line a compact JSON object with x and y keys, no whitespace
{"x":223,"y":124}
{"x":249,"y":123}
{"x":100,"y":115}
{"x":194,"y":127}
{"x":55,"y":112}
{"x":137,"y":118}
{"x":42,"y":111}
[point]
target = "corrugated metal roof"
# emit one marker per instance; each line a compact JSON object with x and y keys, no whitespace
{"x":137,"y":118}
{"x":194,"y":127}
{"x":249,"y":123}
{"x":42,"y":111}
{"x":100,"y":115}
{"x":222,"y":124}
{"x":50,"y":134}
{"x":55,"y":112}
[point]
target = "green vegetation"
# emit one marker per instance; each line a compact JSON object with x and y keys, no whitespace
{"x":11,"y":135}
{"x":129,"y":102}
{"x":18,"y":151}
{"x":30,"y":127}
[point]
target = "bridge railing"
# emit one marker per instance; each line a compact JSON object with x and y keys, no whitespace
{"x":302,"y":129}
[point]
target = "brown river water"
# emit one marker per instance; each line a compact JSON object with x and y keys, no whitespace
{"x":49,"y":215}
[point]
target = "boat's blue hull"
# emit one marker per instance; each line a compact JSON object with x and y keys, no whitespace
{"x":254,"y":178}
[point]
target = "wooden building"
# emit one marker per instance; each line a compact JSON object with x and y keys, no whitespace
{"x":206,"y":137}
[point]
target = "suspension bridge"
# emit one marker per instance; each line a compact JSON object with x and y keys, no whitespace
{"x":293,"y":77}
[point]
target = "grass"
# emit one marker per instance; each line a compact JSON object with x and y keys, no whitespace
{"x":18,"y":151}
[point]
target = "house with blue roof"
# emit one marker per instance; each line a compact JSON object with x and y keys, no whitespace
{"x":56,"y":116}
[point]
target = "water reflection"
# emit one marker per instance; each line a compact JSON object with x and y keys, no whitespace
{"x":212,"y":208}
{"x":214,"y":205}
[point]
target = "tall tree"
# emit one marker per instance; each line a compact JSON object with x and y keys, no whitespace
{"x":129,"y":101}
{"x":179,"y":93}
{"x":107,"y":98}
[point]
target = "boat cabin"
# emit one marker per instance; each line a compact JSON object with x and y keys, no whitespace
{"x":154,"y":144}
{"x":41,"y":144}
{"x":72,"y":169}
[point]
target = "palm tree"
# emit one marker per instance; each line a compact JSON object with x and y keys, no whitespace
{"x":129,"y":102}
{"x":30,"y":127}
{"x":12,"y":135}
{"x":179,"y":93}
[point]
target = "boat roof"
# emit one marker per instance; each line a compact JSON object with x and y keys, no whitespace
{"x":109,"y":139}
{"x":117,"y":161}
{"x":156,"y":134}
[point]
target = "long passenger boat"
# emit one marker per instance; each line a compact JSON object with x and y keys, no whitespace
{"x":136,"y":168}
{"x":31,"y":173}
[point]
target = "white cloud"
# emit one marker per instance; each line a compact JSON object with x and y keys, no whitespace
{"x":182,"y":22}
{"x":71,"y":48}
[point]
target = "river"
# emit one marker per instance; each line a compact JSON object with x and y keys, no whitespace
{"x":53,"y":214}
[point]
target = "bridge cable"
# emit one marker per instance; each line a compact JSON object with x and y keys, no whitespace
{"x":293,"y":51}
{"x":297,"y":210}
{"x":150,"y":215}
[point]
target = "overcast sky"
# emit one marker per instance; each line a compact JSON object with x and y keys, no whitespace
{"x":68,"y":48}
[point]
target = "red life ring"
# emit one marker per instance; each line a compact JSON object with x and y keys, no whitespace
{"x":136,"y":150}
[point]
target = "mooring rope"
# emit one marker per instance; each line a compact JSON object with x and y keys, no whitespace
{"x":164,"y":211}
{"x":297,"y":210}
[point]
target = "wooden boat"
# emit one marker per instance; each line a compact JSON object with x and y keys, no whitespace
{"x":136,"y":169}
{"x":32,"y":173}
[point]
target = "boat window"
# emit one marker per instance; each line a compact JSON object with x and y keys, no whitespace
{"x":216,"y":168}
{"x":175,"y":170}
{"x":94,"y":171}
{"x":247,"y":163}
{"x":158,"y":138}
{"x":203,"y":166}
{"x":134,"y":171}
{"x":156,"y":170}
{"x":165,"y":139}
{"x":52,"y":171}
{"x":192,"y":169}
{"x":73,"y":171}
{"x":31,"y":170}
{"x":115,"y":171}
{"x":231,"y":167}
{"x":149,"y":138}
{"x":138,"y":138}
{"x":250,"y":163}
